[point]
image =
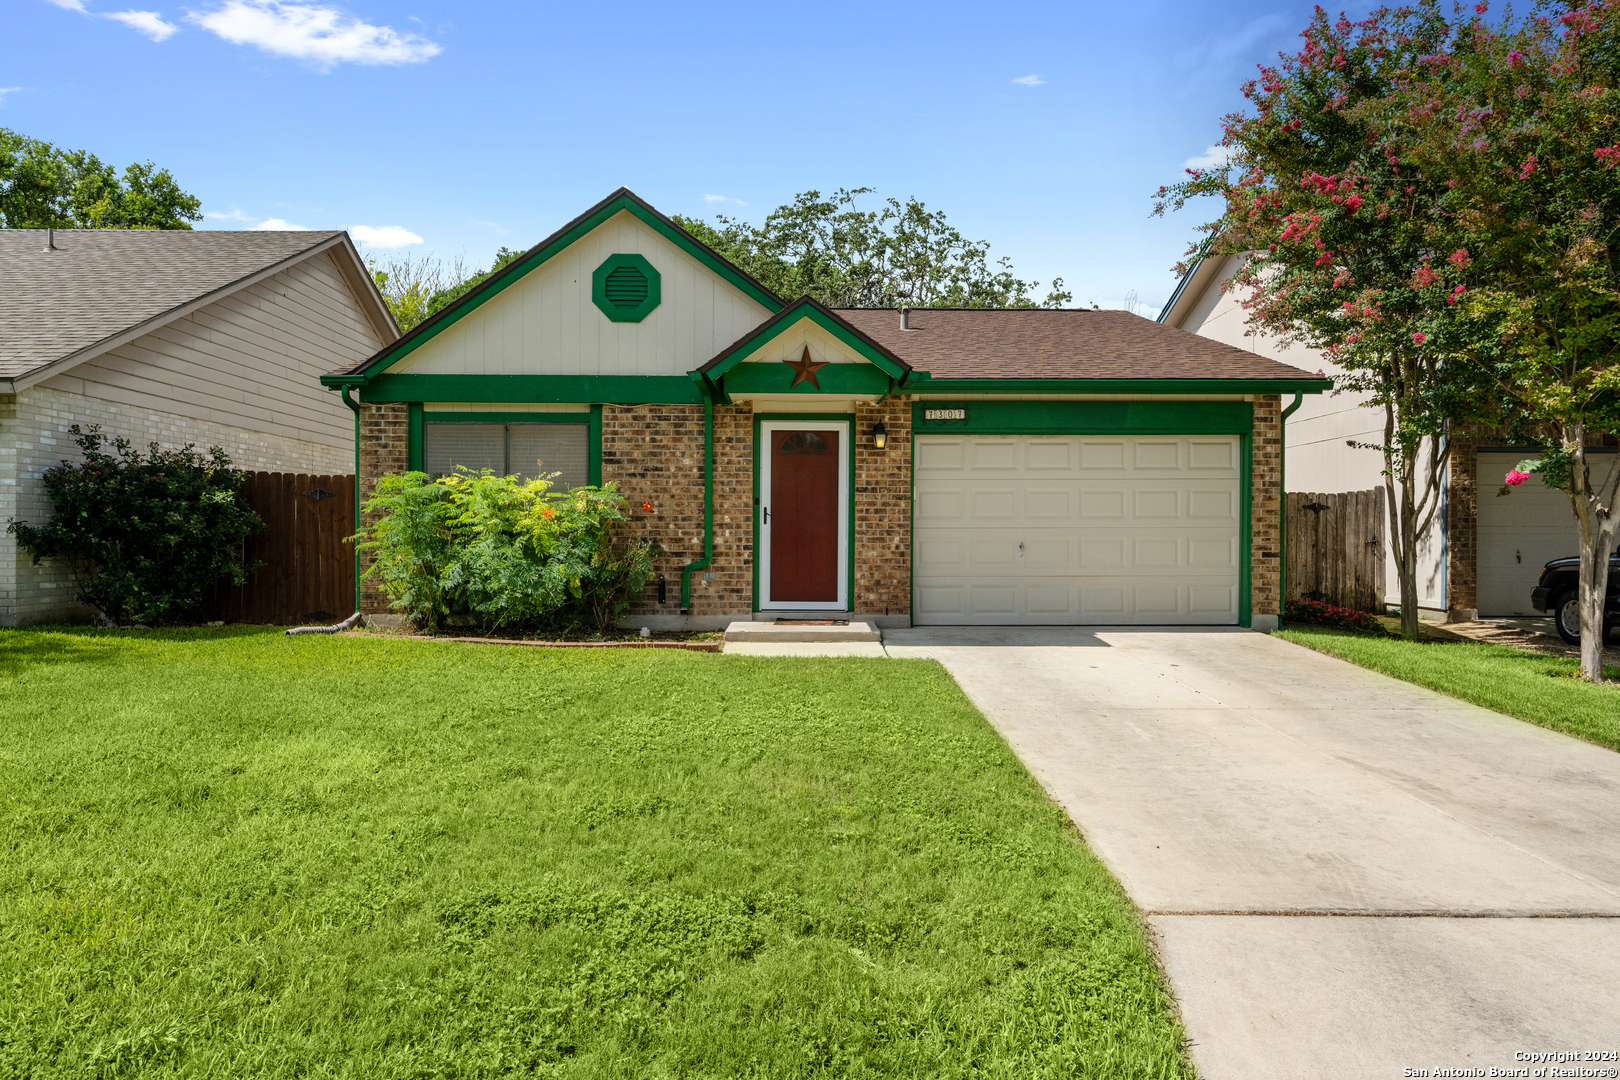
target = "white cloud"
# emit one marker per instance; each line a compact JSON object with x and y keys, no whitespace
{"x":1211,"y":158}
{"x":149,"y":23}
{"x":4,"y":90}
{"x":723,"y":199}
{"x":1030,"y":80}
{"x":275,"y":224}
{"x":494,"y":227}
{"x":70,"y":5}
{"x":232,"y":214}
{"x":389,"y":236}
{"x":314,"y":32}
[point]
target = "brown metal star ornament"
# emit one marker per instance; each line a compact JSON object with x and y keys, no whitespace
{"x":804,"y":369}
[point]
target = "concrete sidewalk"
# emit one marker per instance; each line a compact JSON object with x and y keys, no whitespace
{"x":1348,"y":875}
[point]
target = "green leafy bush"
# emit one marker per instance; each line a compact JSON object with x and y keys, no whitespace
{"x":1316,"y":613}
{"x":149,"y":537}
{"x":506,"y":553}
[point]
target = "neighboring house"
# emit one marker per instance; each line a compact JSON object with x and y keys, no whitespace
{"x":174,"y":337}
{"x":941,"y":466}
{"x":1483,"y":554}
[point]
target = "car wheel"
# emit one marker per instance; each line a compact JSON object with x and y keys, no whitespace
{"x":1567,"y":615}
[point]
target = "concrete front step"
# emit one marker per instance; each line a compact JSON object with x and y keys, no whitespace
{"x":783,"y":632}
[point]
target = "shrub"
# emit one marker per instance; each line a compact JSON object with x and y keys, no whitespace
{"x":146,"y":538}
{"x":1317,"y":613}
{"x":503,"y":552}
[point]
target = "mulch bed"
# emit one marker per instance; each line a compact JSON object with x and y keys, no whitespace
{"x":627,"y":643}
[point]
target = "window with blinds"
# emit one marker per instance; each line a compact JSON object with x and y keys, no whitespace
{"x":526,"y":450}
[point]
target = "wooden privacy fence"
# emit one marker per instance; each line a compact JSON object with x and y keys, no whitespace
{"x":308,"y":571}
{"x":1335,"y":547}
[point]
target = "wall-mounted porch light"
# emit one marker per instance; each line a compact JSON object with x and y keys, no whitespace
{"x":880,"y":436}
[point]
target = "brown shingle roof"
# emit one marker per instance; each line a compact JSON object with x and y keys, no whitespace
{"x":1038,"y":343}
{"x":101,"y":282}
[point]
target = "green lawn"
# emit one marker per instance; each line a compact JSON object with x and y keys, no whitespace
{"x":238,"y":854}
{"x":1533,"y":686}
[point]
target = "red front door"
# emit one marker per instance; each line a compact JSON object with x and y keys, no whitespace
{"x":804,"y":517}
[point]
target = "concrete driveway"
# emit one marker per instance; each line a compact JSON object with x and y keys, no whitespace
{"x":1348,"y":876}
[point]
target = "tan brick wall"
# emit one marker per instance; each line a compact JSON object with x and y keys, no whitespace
{"x":655,"y":454}
{"x":1265,"y":546}
{"x":384,"y":432}
{"x":1462,"y":524}
{"x":883,"y":510}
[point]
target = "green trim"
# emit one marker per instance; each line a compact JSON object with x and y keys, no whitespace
{"x":1246,"y":529}
{"x":655,"y":287}
{"x":1282,"y":505}
{"x":539,"y":256}
{"x":413,"y":437}
{"x":921,"y":383}
{"x":790,"y":317}
{"x":559,"y":389}
{"x":1088,"y":418}
{"x":850,"y":436}
{"x":838,"y":379}
{"x":708,"y":508}
{"x":354,"y":407}
{"x":593,"y":470}
{"x":581,"y":417}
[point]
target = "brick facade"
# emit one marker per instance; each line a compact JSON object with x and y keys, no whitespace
{"x":883,"y":510}
{"x":384,"y":434}
{"x":1462,"y":526}
{"x":1265,"y":547}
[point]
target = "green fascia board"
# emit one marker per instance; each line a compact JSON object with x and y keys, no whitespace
{"x":1088,"y":417}
{"x":539,"y":256}
{"x":789,"y":317}
{"x":927,"y":385}
{"x":834,"y":379}
{"x":581,"y":389}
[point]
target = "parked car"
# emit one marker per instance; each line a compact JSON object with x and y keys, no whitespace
{"x":1559,"y":589}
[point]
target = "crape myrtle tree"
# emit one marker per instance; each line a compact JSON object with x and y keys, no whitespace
{"x":1347,"y":247}
{"x":895,"y":254}
{"x":1522,"y":118}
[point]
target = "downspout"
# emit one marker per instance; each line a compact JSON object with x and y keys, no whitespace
{"x":354,"y":407}
{"x":1282,"y":503}
{"x":708,"y":501}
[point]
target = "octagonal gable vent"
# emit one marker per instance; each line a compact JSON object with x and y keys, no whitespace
{"x":626,"y":288}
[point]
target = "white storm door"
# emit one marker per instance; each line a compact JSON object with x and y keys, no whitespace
{"x":1077,"y":530}
{"x":803,"y":535}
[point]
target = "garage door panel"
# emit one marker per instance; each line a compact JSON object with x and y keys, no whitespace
{"x":1139,"y":531}
{"x":1519,"y":533}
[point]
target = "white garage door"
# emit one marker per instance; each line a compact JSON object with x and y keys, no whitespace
{"x":1518,"y":533}
{"x":1100,"y":530}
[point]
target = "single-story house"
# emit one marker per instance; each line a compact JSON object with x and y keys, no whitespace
{"x":923,"y":466}
{"x":205,"y":337}
{"x":1483,"y":553}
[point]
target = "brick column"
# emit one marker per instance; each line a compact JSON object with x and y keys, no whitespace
{"x":384,"y":432}
{"x":1265,"y":522}
{"x":882,"y":586}
{"x":1462,"y":527}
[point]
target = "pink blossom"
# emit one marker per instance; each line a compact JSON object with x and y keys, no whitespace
{"x":1529,"y":167}
{"x":1424,"y":276}
{"x":1608,"y":155}
{"x":1459,"y":258}
{"x":1479,"y":9}
{"x":1352,"y":202}
{"x":1419,"y":338}
{"x":1456,"y":294}
{"x":1515,"y":477}
{"x":1515,"y":58}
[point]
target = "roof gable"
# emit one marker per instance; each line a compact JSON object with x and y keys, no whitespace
{"x":98,"y":288}
{"x":620,"y":224}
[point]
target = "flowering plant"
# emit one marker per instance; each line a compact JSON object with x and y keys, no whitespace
{"x":1316,"y":613}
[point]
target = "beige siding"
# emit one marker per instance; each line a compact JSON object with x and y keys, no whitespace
{"x":1319,"y":458}
{"x":546,"y":324}
{"x":251,"y":360}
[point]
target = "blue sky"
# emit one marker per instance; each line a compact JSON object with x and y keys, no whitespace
{"x":1042,"y":128}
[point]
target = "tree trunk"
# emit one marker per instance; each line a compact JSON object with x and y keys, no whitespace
{"x":1594,"y":514}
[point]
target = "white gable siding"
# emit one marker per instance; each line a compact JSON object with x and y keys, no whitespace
{"x":546,"y":324}
{"x":790,"y":343}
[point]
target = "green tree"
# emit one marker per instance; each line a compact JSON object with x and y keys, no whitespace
{"x":1522,"y":121}
{"x":416,"y":288}
{"x":899,"y":254}
{"x":42,"y":186}
{"x":1345,"y":243}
